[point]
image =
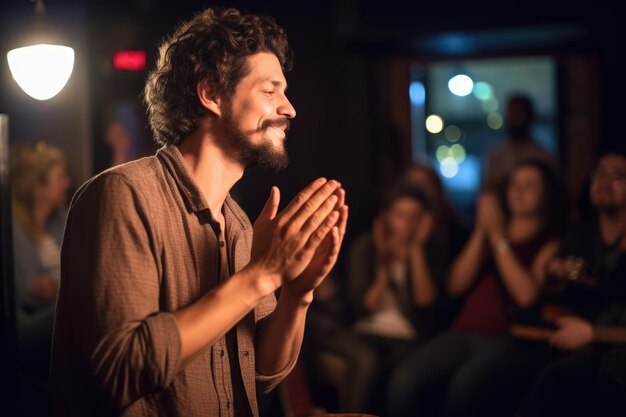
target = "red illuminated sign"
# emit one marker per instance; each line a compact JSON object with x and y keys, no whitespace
{"x":129,"y":60}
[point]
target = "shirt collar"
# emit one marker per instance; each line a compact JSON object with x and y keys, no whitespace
{"x":170,"y":155}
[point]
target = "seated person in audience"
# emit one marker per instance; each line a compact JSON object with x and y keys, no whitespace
{"x":40,"y":186}
{"x":587,"y":285}
{"x":499,"y":271}
{"x":450,"y":232}
{"x":392,"y":293}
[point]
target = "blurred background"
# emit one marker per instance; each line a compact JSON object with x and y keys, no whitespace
{"x":376,"y":84}
{"x":366,"y":76}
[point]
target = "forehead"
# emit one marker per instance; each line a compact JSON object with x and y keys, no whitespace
{"x":406,"y":203}
{"x":263,"y":67}
{"x":613,"y":161}
{"x":527,"y":172}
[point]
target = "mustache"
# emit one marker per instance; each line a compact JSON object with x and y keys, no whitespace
{"x":282,"y":122}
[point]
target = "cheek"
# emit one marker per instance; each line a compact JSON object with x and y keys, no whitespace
{"x":399,"y":226}
{"x":523,"y":196}
{"x":514,"y":195}
{"x":619,"y":191}
{"x":395,"y":224}
{"x":255,"y":111}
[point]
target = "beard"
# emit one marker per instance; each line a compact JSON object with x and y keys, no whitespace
{"x":264,"y":155}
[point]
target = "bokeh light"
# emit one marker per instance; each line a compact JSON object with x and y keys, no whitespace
{"x":483,"y":91}
{"x":442,"y":152}
{"x":495,"y":121}
{"x":457,"y":152}
{"x":490,"y":105}
{"x":449,"y":167}
{"x":461,"y":85}
{"x":434,"y":123}
{"x":417,"y":93}
{"x":452,"y":133}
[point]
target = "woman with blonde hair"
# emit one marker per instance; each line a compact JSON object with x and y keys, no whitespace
{"x":39,"y":186}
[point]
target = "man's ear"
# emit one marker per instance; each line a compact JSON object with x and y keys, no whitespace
{"x":208,"y":98}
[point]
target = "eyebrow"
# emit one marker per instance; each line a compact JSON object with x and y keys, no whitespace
{"x":275,"y":83}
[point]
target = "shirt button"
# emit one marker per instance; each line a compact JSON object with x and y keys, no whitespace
{"x":222,"y":352}
{"x":221,"y":243}
{"x":227,"y":404}
{"x":245,"y":353}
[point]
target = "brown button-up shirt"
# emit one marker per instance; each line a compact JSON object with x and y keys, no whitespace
{"x":141,"y":243}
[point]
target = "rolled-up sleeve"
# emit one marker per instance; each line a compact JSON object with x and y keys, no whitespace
{"x":112,"y":282}
{"x":267,"y":383}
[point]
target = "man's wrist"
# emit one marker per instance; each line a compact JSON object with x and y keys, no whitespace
{"x":259,"y":283}
{"x":296,"y":300}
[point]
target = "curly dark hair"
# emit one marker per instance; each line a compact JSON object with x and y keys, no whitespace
{"x":213,"y":45}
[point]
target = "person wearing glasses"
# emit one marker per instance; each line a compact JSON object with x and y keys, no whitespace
{"x":587,"y":282}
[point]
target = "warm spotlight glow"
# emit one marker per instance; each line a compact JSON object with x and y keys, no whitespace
{"x":41,"y":70}
{"x":461,"y":85}
{"x":434,"y":123}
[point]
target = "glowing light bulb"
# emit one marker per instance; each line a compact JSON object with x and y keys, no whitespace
{"x":41,"y":70}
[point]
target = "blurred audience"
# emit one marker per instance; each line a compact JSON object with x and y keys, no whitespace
{"x":450,"y":233}
{"x":587,"y":301}
{"x":40,"y":186}
{"x":119,"y":140}
{"x":392,"y":293}
{"x":519,"y":145}
{"x":498,"y":274}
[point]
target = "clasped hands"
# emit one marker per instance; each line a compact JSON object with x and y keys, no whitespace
{"x":490,"y":216}
{"x":297,"y":247}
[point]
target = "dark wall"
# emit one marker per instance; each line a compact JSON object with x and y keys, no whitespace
{"x":339,"y":82}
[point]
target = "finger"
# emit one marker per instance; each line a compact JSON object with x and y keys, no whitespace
{"x":341,"y":195}
{"x":271,"y":205}
{"x":336,"y":243}
{"x":320,"y":233}
{"x":327,"y":249}
{"x":343,"y":222}
{"x":317,"y":218}
{"x":322,"y":197}
{"x":302,"y":197}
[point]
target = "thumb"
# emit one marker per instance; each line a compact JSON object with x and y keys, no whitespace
{"x":271,"y":205}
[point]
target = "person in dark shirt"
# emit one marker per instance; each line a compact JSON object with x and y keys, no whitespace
{"x":586,"y":295}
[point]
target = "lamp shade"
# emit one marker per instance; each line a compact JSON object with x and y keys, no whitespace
{"x":41,"y":70}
